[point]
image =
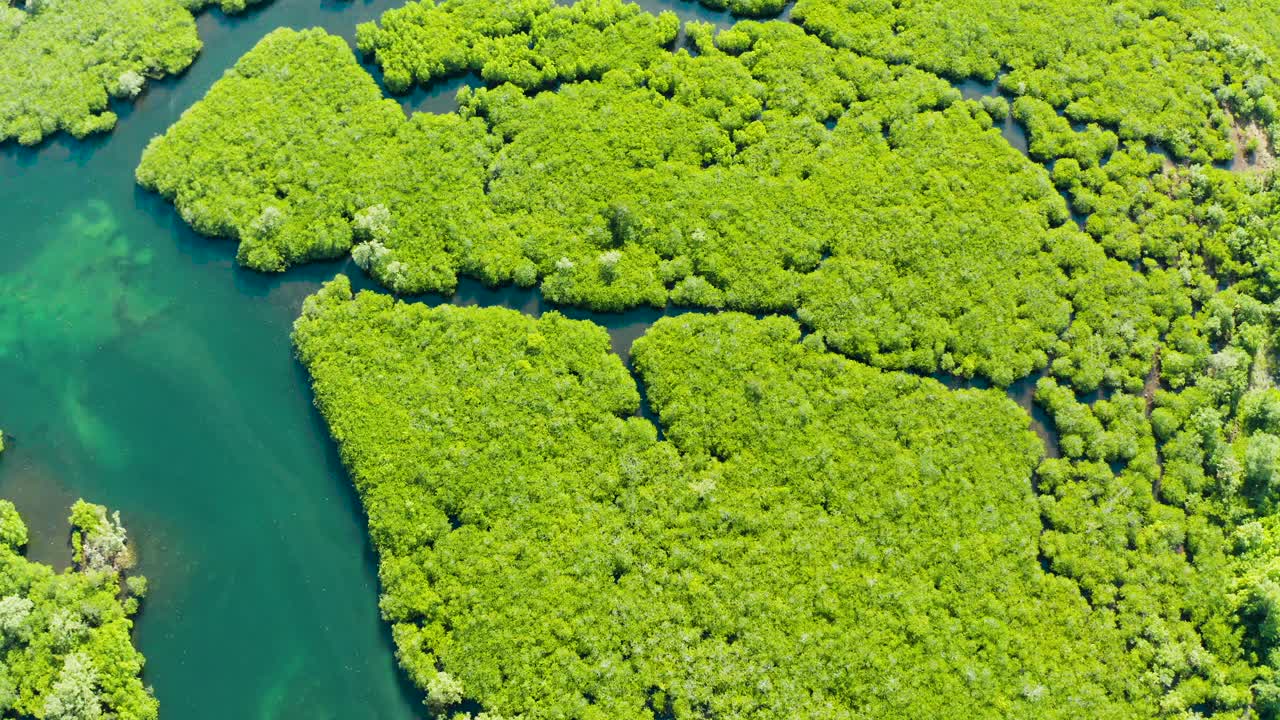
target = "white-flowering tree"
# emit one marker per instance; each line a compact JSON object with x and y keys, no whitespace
{"x":443,"y":691}
{"x":130,"y":84}
{"x":15,"y":613}
{"x":373,"y":223}
{"x":74,"y":695}
{"x":609,"y":264}
{"x":99,"y":540}
{"x":67,"y":628}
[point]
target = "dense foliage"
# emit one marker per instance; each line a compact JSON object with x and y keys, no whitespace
{"x":304,"y":189}
{"x":1217,"y":225}
{"x":816,"y":539}
{"x":530,"y":43}
{"x":766,"y":172}
{"x":1165,"y":493}
{"x":286,"y":211}
{"x":64,"y":60}
{"x":1162,"y":500}
{"x":542,"y":555}
{"x":1182,"y":74}
{"x":65,"y":647}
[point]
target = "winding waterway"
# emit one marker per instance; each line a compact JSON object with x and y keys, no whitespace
{"x":141,"y":368}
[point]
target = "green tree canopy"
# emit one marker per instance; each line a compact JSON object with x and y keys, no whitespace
{"x":768,"y":172}
{"x":64,"y":59}
{"x":815,"y":538}
{"x":1180,"y":74}
{"x":65,"y":646}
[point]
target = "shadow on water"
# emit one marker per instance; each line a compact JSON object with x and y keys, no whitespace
{"x":974,"y":89}
{"x":1021,"y":392}
{"x":63,"y":148}
{"x":693,"y":11}
{"x":343,"y":488}
{"x":440,"y":97}
{"x":44,"y":502}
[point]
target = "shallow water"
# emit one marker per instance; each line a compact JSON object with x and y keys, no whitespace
{"x":1010,"y":129}
{"x":141,"y":368}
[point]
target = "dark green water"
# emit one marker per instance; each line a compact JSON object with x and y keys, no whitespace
{"x":142,"y":369}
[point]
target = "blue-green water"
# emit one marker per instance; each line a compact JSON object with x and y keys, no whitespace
{"x":140,"y":368}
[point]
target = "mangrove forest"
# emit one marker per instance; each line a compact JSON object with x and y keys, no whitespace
{"x":672,"y":359}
